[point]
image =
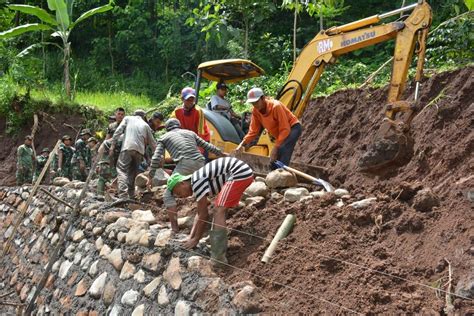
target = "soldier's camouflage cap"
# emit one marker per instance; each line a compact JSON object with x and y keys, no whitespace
{"x":45,"y":150}
{"x":92,"y":139}
{"x":66,"y":137}
{"x":85,"y":131}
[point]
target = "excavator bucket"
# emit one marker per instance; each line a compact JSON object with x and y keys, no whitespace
{"x":386,"y":153}
{"x":393,"y":145}
{"x":261,"y":166}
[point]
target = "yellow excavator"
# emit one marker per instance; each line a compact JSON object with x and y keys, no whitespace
{"x":393,"y":143}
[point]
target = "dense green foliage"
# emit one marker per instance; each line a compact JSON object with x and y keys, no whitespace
{"x":136,"y":54}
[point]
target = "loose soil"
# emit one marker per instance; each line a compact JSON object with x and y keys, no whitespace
{"x":330,"y":258}
{"x":404,"y":242}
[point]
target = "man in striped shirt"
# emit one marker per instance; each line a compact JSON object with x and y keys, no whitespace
{"x":225,"y":177}
{"x":182,"y":145}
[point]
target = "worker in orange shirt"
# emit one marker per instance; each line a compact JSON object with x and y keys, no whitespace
{"x":191,"y":115}
{"x":280,"y":123}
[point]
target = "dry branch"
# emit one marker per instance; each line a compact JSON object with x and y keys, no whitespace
{"x":449,"y":301}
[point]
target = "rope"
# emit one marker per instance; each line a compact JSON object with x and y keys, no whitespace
{"x":273,"y":281}
{"x":352,"y":264}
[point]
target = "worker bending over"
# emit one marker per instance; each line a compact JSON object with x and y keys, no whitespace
{"x":182,"y":145}
{"x":278,"y":120}
{"x":225,"y":177}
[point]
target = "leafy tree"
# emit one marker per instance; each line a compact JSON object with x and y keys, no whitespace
{"x":60,"y":24}
{"x":326,"y":9}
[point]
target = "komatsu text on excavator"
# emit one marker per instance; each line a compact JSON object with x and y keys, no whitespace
{"x":392,"y":144}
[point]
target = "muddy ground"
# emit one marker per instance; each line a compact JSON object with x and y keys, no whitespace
{"x":340,"y":257}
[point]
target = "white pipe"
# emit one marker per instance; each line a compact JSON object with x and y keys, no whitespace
{"x":282,"y":232}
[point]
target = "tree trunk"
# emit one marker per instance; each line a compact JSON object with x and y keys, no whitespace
{"x":321,"y":24}
{"x":246,"y":38}
{"x":43,"y":50}
{"x":112,"y":66}
{"x":67,"y":80}
{"x":294,"y":33}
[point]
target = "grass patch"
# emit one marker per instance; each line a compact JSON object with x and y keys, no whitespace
{"x":104,"y":101}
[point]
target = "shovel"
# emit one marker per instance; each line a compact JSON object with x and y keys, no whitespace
{"x":326,"y":185}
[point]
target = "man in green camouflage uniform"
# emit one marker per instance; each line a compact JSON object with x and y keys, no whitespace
{"x":25,"y":159}
{"x":65,"y":153}
{"x":119,"y":115}
{"x":93,"y":145}
{"x":106,"y":165}
{"x":40,"y":163}
{"x":82,"y":159}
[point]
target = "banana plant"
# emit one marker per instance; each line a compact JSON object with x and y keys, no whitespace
{"x":59,"y":23}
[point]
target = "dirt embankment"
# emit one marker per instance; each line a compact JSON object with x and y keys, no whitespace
{"x":326,"y":261}
{"x":51,"y":128}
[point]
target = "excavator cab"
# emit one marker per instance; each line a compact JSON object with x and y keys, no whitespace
{"x":223,"y":133}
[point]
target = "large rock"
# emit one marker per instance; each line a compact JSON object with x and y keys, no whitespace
{"x":139,"y":276}
{"x":160,"y":178}
{"x":128,"y":270}
{"x":93,"y":270}
{"x":109,"y":293}
{"x":112,"y":216}
{"x":182,"y":308}
{"x":163,"y":298}
{"x":78,"y":236}
{"x":295,"y":194}
{"x":163,"y":237}
{"x":200,"y":265}
{"x":130,"y":297}
{"x":81,"y":288}
{"x":115,"y":259}
{"x":172,"y":274}
{"x":257,"y":189}
{"x":60,"y":181}
{"x":139,"y":310}
{"x":148,"y":290}
{"x":255,"y":201}
{"x":134,"y":235}
{"x":151,"y":262}
{"x":425,"y":200}
{"x":98,"y":285}
{"x":64,"y":269}
{"x":341,"y":192}
{"x":465,"y":287}
{"x":363,"y":203}
{"x":141,"y":180}
{"x":246,"y":300}
{"x":143,"y":216}
{"x":280,"y":179}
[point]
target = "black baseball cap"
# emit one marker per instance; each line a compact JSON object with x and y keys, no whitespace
{"x":221,"y":85}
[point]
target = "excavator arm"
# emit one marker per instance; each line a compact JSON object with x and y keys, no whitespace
{"x":329,"y":44}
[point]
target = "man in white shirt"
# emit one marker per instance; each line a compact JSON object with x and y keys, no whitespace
{"x":221,"y":105}
{"x":137,"y":135}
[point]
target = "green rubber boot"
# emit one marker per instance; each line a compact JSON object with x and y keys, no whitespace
{"x":218,"y":239}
